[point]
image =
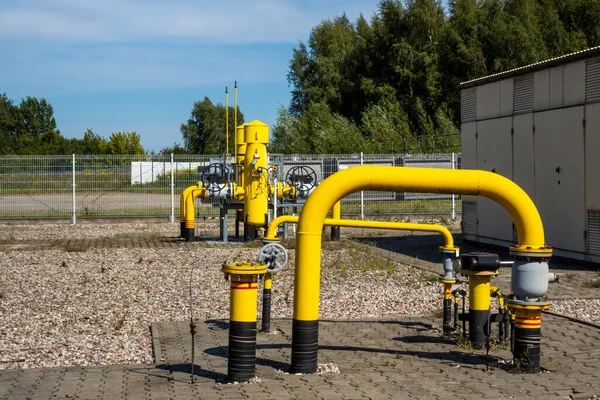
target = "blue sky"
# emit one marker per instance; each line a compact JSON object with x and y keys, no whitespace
{"x":139,"y":65}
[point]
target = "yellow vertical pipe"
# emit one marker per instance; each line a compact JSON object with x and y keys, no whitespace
{"x":256,"y":164}
{"x":235,"y":120}
{"x":226,"y":124}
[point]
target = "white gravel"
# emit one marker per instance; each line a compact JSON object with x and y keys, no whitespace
{"x":61,"y":308}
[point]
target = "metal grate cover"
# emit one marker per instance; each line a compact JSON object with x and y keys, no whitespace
{"x":469,"y":217}
{"x":523,"y":94}
{"x":592,"y":80}
{"x":593,"y":236}
{"x":468,"y":103}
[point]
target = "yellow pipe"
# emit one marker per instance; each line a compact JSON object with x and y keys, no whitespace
{"x":189,"y":205}
{"x":336,"y":212}
{"x":420,"y":180}
{"x":353,"y":223}
{"x":234,"y":121}
{"x":495,"y":292}
{"x":256,"y":178}
{"x":479,"y":292}
{"x":184,"y":194}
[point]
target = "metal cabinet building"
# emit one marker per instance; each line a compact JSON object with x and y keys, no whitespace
{"x":538,"y":125}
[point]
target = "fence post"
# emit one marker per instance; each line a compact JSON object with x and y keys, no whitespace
{"x":172,"y":193}
{"x":362,"y":199}
{"x":453,"y":196}
{"x":74,"y":216}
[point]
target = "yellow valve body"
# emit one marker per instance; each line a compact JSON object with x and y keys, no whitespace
{"x":256,"y":177}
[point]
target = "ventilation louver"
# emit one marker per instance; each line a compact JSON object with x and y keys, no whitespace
{"x":523,"y":94}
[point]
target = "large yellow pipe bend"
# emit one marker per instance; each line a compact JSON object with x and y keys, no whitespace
{"x":406,"y":179}
{"x":184,"y":195}
{"x":353,"y":223}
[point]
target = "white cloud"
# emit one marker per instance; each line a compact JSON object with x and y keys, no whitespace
{"x":212,"y":21}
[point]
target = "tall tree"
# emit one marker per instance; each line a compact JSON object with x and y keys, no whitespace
{"x":36,"y":131}
{"x":8,"y":125}
{"x":124,"y":143}
{"x":204,"y":132}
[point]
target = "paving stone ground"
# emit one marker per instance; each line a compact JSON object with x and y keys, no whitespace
{"x":393,"y":358}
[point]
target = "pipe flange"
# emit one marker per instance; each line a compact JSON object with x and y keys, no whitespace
{"x":529,"y":305}
{"x":243,"y":268}
{"x":443,"y":279}
{"x":531,"y":252}
{"x":267,"y":239}
{"x":468,"y":272}
{"x":455,"y":251}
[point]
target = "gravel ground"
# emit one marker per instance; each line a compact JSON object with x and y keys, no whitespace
{"x":61,"y":308}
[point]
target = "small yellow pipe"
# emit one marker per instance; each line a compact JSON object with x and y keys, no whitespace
{"x":402,"y":179}
{"x":354,"y":223}
{"x":336,"y":212}
{"x":495,"y":292}
{"x":226,"y":125}
{"x":189,"y":205}
{"x":184,"y":194}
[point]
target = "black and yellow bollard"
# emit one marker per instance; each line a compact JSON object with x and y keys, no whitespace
{"x":244,"y":278}
{"x":266,"y":311}
{"x":447,"y":313}
{"x":479,"y":267}
{"x":527,"y":336}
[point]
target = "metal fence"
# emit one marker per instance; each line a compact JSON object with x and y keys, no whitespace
{"x":88,"y":186}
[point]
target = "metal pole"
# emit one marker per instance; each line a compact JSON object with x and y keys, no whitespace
{"x":172,"y":192}
{"x":235,"y":123}
{"x":453,"y":196}
{"x":74,"y":216}
{"x":362,"y":197}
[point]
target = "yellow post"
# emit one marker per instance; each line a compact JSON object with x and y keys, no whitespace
{"x":266,"y":312}
{"x":244,"y":278}
{"x":226,"y":125}
{"x":240,"y":153}
{"x":256,"y":179}
{"x":479,"y":308}
{"x":305,"y":323}
{"x":336,"y":213}
{"x":235,"y":119}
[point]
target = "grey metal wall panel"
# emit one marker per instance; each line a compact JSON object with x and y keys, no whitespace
{"x":593,"y":237}
{"x":541,"y":90}
{"x":488,"y":101}
{"x":506,"y":97}
{"x":592,"y":80}
{"x":469,"y":217}
{"x":523,"y":94}
{"x":574,"y":86}
{"x":592,"y":156}
{"x":523,"y":161}
{"x":494,"y":153}
{"x":469,"y":145}
{"x":559,"y":176}
{"x":468,"y":104}
{"x":556,"y":87}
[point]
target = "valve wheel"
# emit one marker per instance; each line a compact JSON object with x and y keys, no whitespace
{"x":214,"y":176}
{"x":274,"y":255}
{"x":302,"y":175}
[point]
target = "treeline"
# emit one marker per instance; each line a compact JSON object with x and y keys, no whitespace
{"x":30,"y":129}
{"x":378,"y":84}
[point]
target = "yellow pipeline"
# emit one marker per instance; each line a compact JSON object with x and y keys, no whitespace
{"x":354,"y":223}
{"x":189,"y":205}
{"x":405,"y":179}
{"x":336,"y":212}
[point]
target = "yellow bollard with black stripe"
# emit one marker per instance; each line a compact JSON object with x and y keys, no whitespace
{"x":266,"y":312}
{"x":527,"y":336}
{"x":244,"y":276}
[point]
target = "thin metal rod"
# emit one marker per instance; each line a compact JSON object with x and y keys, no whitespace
{"x":172,"y":193}
{"x":235,"y":123}
{"x":226,"y":125}
{"x":74,"y":217}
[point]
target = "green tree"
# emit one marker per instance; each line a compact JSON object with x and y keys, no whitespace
{"x":204,"y":132}
{"x":36,"y":131}
{"x":124,"y":143}
{"x":8,"y":125}
{"x":175,"y":149}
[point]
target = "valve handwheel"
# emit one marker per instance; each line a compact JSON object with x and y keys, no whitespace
{"x":274,"y":255}
{"x":214,"y":176}
{"x":303,"y":175}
